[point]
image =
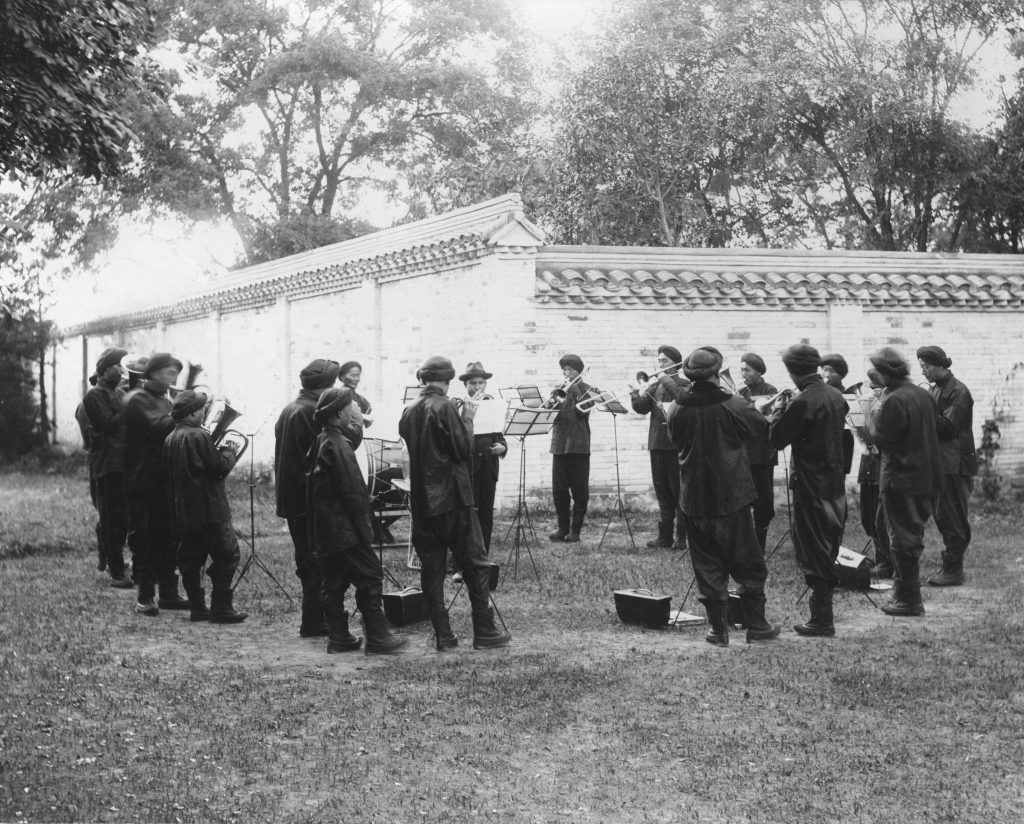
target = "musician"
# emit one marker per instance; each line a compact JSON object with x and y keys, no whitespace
{"x":812,"y":424}
{"x":339,"y":513}
{"x":872,"y":518}
{"x":570,"y":448}
{"x":103,"y":406}
{"x":440,"y":442}
{"x":664,"y":456}
{"x":834,"y":370}
{"x":195,"y":469}
{"x":763,"y":456}
{"x":905,"y":430}
{"x":488,"y":449}
{"x":350,"y":373}
{"x":83,"y":426}
{"x":710,"y":427}
{"x":150,"y":525}
{"x":294,"y":434}
{"x":959,"y":462}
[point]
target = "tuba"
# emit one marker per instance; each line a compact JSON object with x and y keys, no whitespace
{"x":218,"y":420}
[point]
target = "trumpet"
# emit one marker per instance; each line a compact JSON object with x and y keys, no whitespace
{"x":471,"y":398}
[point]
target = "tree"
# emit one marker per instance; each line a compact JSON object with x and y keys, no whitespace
{"x":282,"y":115}
{"x":66,"y":66}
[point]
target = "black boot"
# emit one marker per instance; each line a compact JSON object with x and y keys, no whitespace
{"x":197,"y":603}
{"x":562,"y":530}
{"x":314,"y":623}
{"x":443,"y":635}
{"x":758,"y":628}
{"x":144,"y":604}
{"x":718,"y":628}
{"x":574,"y":529}
{"x":339,"y":637}
{"x":952,"y":574}
{"x":821,"y":622}
{"x":679,"y":545}
{"x":485,"y":634}
{"x":379,"y":638}
{"x":906,"y":588}
{"x":169,"y":597}
{"x":664,"y":539}
{"x":221,"y":609}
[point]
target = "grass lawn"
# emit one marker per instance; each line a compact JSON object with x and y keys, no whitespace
{"x":109,"y":716}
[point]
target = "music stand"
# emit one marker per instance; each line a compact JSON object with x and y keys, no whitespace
{"x":607,"y":402}
{"x":411,"y":394}
{"x":522,"y":422}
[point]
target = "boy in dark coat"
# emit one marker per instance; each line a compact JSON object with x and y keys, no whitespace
{"x":196,"y":470}
{"x":340,"y":532}
{"x":488,"y":449}
{"x":570,"y":451}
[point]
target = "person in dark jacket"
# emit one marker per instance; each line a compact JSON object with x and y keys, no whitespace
{"x":294,"y":434}
{"x":488,"y":449}
{"x":812,"y":424}
{"x":196,"y":470}
{"x":440,"y":443}
{"x":904,"y":428}
{"x":834,"y":370}
{"x":869,"y":473}
{"x":570,"y":450}
{"x":763,"y":456}
{"x":148,"y":422}
{"x":959,"y":463}
{"x":710,"y":428}
{"x":83,"y":426}
{"x":104,"y":410}
{"x":654,"y":399}
{"x":340,"y":533}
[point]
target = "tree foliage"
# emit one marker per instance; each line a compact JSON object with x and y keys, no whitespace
{"x":66,"y":66}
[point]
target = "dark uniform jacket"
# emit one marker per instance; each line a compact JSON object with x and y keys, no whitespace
{"x":294,"y":434}
{"x":337,"y":502}
{"x":904,"y":428}
{"x":669,"y":388}
{"x":440,"y":447}
{"x":955,"y":427}
{"x":759,"y":447}
{"x":83,"y":426}
{"x":104,"y":408}
{"x":148,"y":422}
{"x":813,"y":424}
{"x":195,"y":471}
{"x":570,"y":433}
{"x":709,"y":427}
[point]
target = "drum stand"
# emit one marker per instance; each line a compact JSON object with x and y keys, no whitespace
{"x":254,"y":559}
{"x":522,"y":523}
{"x":619,"y":508}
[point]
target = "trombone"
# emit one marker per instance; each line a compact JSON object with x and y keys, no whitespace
{"x":559,"y":393}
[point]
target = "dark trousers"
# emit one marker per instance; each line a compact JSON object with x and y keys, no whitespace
{"x":905,"y":517}
{"x":457,"y":531}
{"x":101,"y":547}
{"x":952,"y":506}
{"x":872,"y":518}
{"x":356,"y":566}
{"x":214,"y":542}
{"x":298,"y":528}
{"x":764,"y":506}
{"x":723,"y":546}
{"x":151,"y":537}
{"x":113,"y":527}
{"x":817,"y":532}
{"x":665,"y":476}
{"x":484,"y":473}
{"x":570,"y":489}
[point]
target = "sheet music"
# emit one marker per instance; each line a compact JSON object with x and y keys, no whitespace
{"x":490,"y":417}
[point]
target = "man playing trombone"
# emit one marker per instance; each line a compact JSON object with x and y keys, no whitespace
{"x":653,"y":397}
{"x":570,"y":450}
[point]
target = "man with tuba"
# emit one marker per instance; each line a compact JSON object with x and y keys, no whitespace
{"x":488,"y":448}
{"x":653,"y":398}
{"x":570,"y":450}
{"x":195,"y":470}
{"x":294,"y":434}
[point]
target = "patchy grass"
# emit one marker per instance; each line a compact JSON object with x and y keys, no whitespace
{"x":106,"y":716}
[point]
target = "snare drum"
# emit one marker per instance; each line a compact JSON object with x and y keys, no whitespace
{"x":383,"y":466}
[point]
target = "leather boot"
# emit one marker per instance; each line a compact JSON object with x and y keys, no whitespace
{"x":906,"y":600}
{"x":679,"y":545}
{"x":339,"y":637}
{"x":574,"y":529}
{"x":379,"y":638}
{"x":221,"y":609}
{"x":169,"y":597}
{"x":718,"y":628}
{"x":314,"y":623}
{"x":443,"y":635}
{"x":952,"y":573}
{"x":485,"y":634}
{"x":562,"y":530}
{"x":197,"y":604}
{"x":821,"y":622}
{"x":144,"y":603}
{"x":758,"y":628}
{"x":664,"y":539}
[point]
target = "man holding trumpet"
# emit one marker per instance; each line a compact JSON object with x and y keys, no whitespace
{"x":657,"y":391}
{"x":570,"y":451}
